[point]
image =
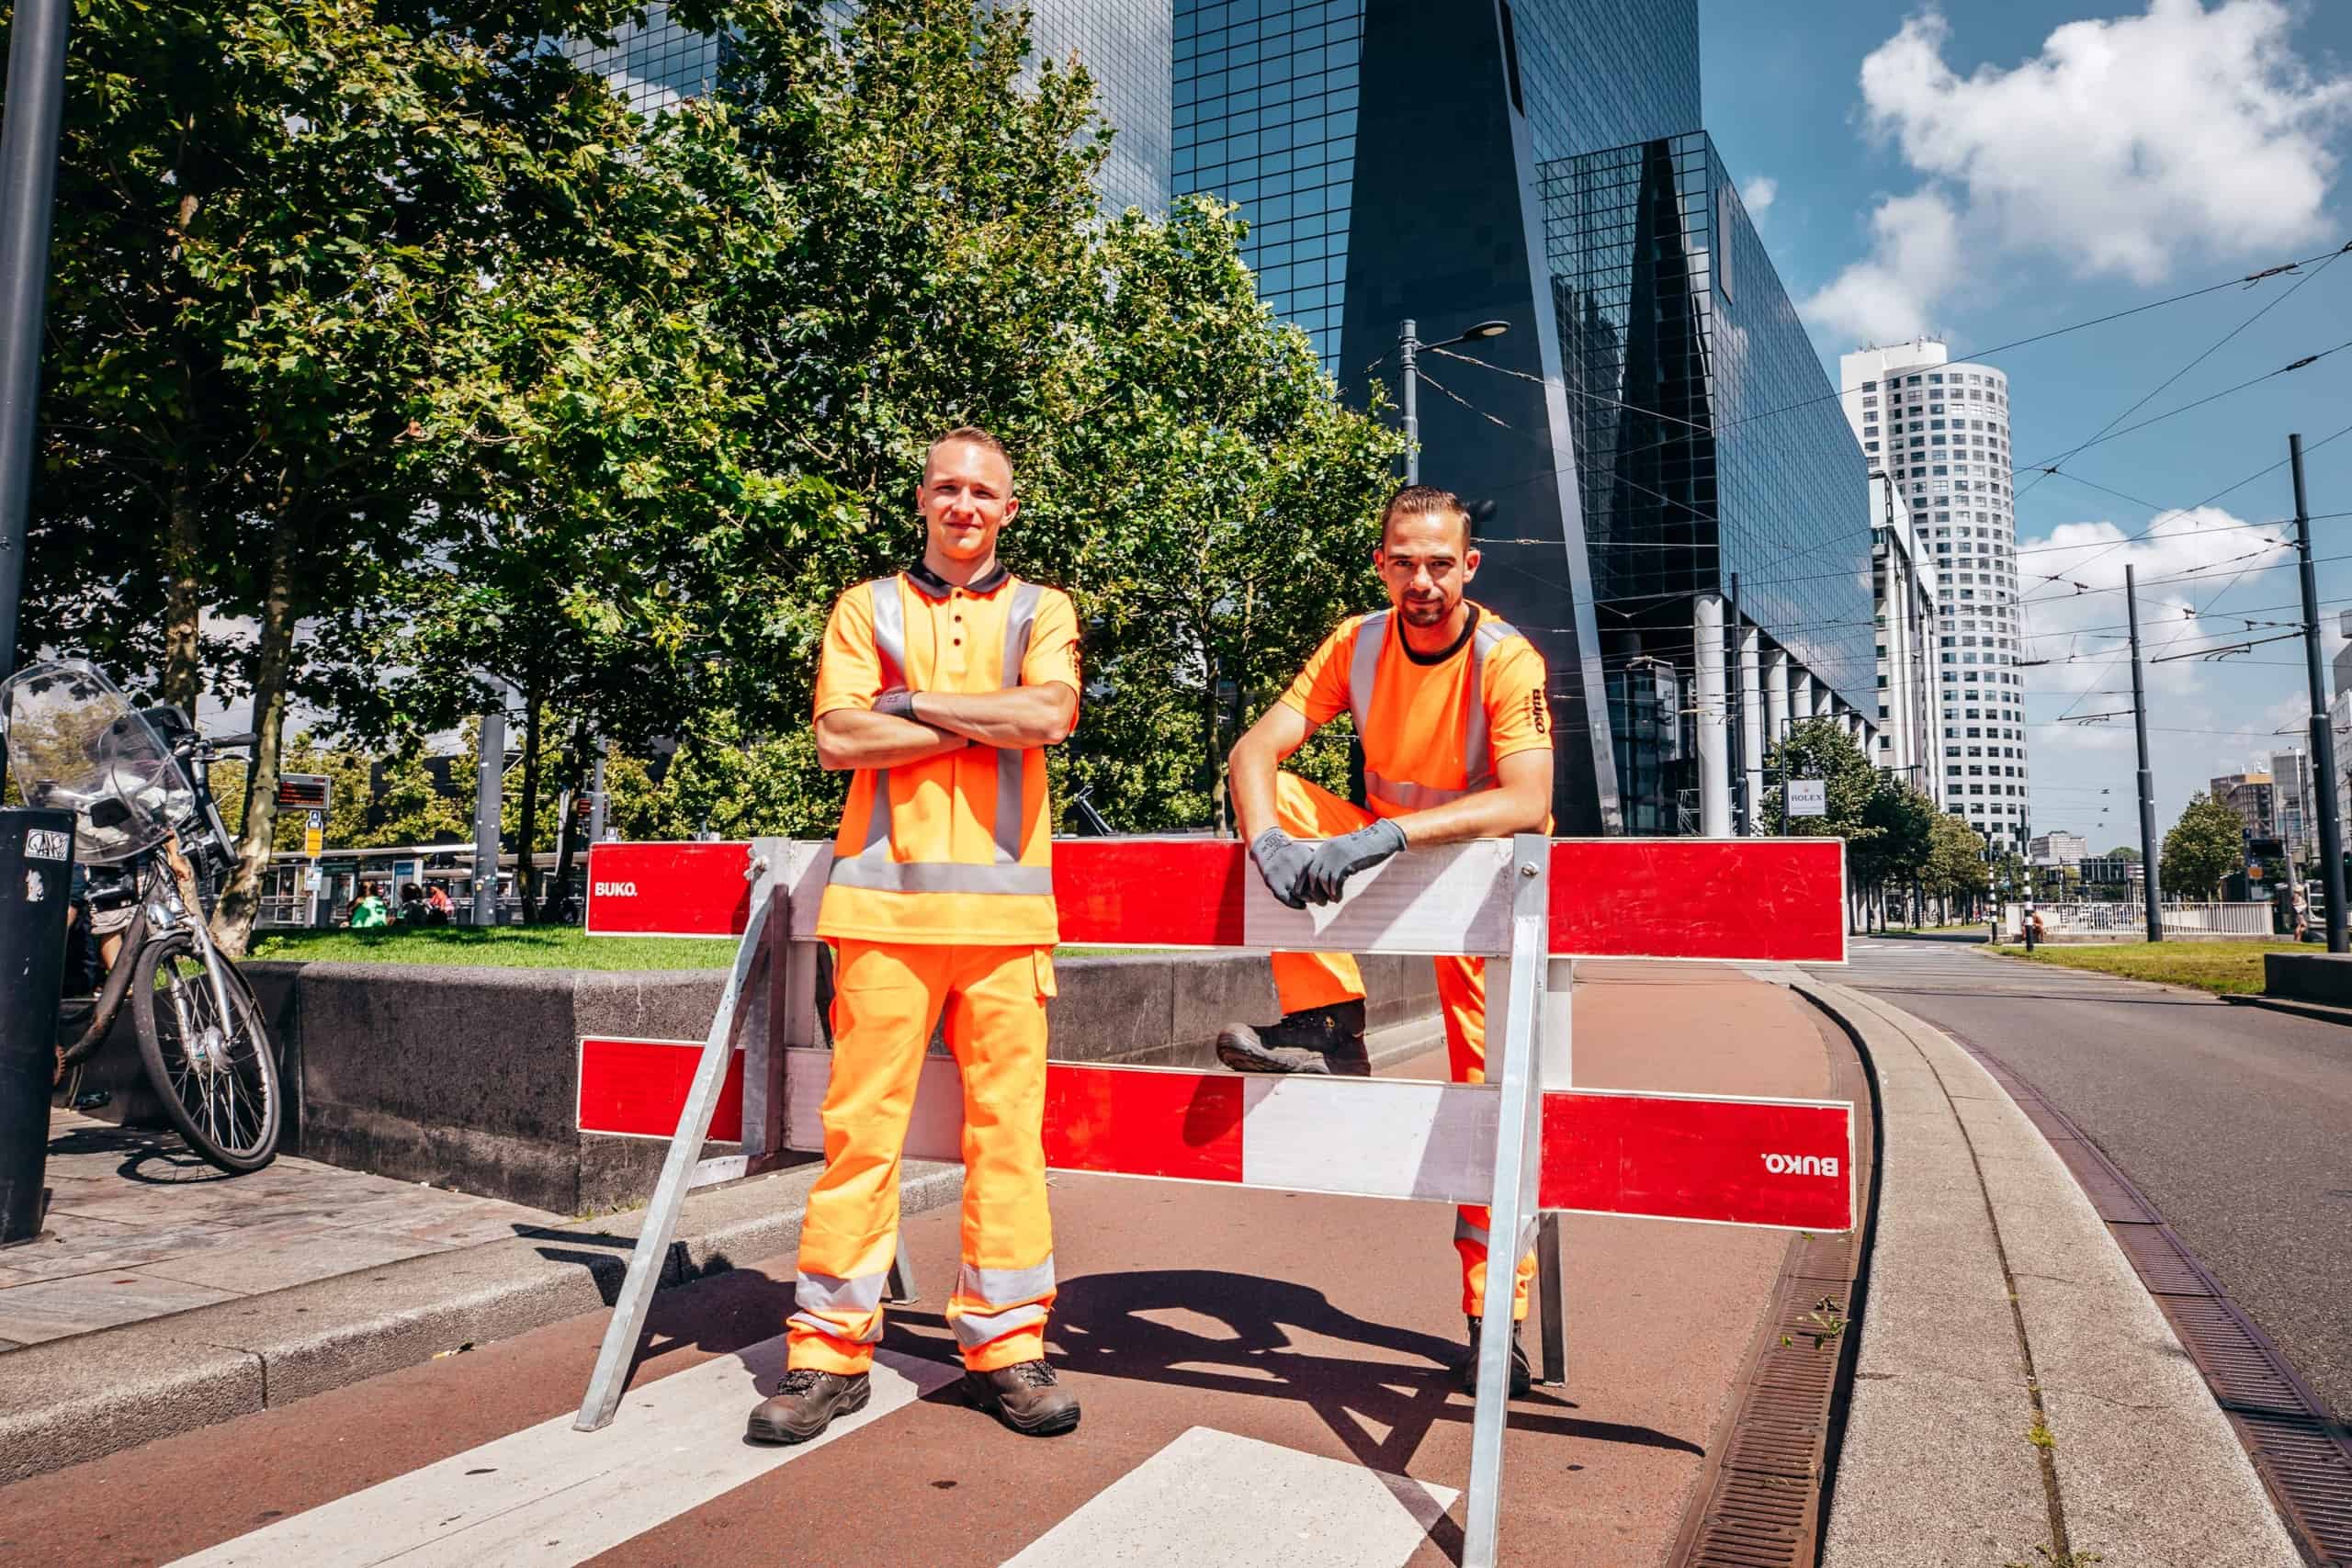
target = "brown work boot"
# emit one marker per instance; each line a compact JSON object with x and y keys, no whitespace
{"x":1312,"y":1040}
{"x":1025,"y":1397}
{"x":806,"y":1402}
{"x":1523,"y":1375}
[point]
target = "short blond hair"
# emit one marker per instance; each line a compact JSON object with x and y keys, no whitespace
{"x":971,"y":436}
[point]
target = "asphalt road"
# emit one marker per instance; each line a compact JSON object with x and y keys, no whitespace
{"x":2234,"y":1121}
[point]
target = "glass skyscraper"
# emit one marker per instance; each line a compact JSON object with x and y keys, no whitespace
{"x":1712,"y":453}
{"x":1124,"y":45}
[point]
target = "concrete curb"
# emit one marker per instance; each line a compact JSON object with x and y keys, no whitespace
{"x":2320,"y":1012}
{"x":2014,"y":1378}
{"x":80,"y":1398}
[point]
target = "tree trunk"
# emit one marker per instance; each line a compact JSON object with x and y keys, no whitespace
{"x":183,"y":598}
{"x":526,"y":837}
{"x":273,"y":664}
{"x":573,"y":775}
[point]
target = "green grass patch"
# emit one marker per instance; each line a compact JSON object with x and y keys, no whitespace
{"x":2216,"y":967}
{"x":527,"y":947}
{"x":496,"y":947}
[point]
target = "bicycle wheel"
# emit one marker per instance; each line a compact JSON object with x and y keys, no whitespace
{"x":218,"y":1078}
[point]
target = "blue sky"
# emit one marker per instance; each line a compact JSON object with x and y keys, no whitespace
{"x":2007,"y":167}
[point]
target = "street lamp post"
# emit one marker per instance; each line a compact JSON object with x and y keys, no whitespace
{"x":1409,"y":348}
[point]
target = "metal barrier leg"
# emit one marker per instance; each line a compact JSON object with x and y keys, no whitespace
{"x":610,"y":1380}
{"x":1553,"y":1300}
{"x":901,"y":1287}
{"x":1511,"y":1213}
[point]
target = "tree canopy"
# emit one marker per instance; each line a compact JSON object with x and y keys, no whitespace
{"x":2203,"y":847}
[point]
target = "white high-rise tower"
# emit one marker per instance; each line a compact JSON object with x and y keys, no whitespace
{"x":1940,"y":433}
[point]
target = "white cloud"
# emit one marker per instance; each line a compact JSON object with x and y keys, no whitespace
{"x":2120,"y":147}
{"x":1914,"y":261}
{"x":1758,"y":194}
{"x":2073,"y":618}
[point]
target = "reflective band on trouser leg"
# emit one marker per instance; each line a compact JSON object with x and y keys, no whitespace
{"x":886,"y":999}
{"x":995,"y":1027}
{"x":1304,"y":980}
{"x":1461,"y":997}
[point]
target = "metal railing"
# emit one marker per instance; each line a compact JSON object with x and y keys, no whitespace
{"x":2125,"y":920}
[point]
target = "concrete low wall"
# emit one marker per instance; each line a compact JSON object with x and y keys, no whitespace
{"x":2308,"y":977}
{"x":469,"y":1078}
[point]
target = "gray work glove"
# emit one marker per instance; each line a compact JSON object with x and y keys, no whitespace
{"x":1335,"y":860}
{"x":1281,"y":861}
{"x":897,"y":702}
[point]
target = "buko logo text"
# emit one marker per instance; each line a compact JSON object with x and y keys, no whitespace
{"x":616,"y":890}
{"x":1801,"y":1164}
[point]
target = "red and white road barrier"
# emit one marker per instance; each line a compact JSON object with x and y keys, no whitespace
{"x":1761,"y":900}
{"x":1526,"y":1142}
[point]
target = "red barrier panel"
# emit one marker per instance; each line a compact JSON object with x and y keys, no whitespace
{"x":1730,"y":1161}
{"x":636,"y":1088}
{"x":1151,"y":892}
{"x":1757,"y":900}
{"x":668,"y":889}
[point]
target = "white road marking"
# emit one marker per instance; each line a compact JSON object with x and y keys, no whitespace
{"x":1210,"y":1496}
{"x":548,"y":1496}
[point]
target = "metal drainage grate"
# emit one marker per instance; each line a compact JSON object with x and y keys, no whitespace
{"x":1757,"y":1503}
{"x":2302,"y":1458}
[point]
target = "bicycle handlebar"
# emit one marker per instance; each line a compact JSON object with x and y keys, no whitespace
{"x":233,"y":743}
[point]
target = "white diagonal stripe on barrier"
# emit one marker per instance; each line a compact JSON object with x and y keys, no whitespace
{"x":549,"y":1496}
{"x":1210,"y":1496}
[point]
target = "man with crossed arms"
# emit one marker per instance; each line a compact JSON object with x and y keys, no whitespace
{"x":1448,"y":701}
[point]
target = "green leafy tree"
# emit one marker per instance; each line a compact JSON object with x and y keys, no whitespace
{"x":1820,"y":749}
{"x":269,"y":217}
{"x":1956,"y":873}
{"x":2203,"y":847}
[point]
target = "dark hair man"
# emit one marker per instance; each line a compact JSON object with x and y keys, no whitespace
{"x":940,"y":686}
{"x":1449,"y":703}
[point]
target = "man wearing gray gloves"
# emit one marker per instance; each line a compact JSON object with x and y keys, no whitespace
{"x":1448,"y":701}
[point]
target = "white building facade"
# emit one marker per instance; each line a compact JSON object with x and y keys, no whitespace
{"x":1939,"y":430}
{"x":1903,"y":583}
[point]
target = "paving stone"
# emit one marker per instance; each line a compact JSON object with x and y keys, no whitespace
{"x":51,"y":1309}
{"x":248,"y":1270}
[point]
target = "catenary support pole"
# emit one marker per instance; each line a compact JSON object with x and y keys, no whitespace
{"x":490,"y":788}
{"x":2331,"y":831}
{"x":2148,"y":779}
{"x":1409,"y":344}
{"x":28,"y":118}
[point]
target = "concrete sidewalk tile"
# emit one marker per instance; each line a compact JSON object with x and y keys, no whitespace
{"x":50,"y":1309}
{"x":1935,"y":1471}
{"x":249,"y":1270}
{"x":83,"y":1248}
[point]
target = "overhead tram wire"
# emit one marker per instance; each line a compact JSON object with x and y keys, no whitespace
{"x":2101,"y":434}
{"x":2256,"y":276}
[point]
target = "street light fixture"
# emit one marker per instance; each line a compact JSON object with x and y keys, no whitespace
{"x":1408,"y":346}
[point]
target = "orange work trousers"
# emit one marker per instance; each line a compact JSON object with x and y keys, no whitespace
{"x":887,"y":998}
{"x":1320,"y":979}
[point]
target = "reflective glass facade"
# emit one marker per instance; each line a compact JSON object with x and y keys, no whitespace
{"x":1596,"y":73}
{"x":1264,"y":115}
{"x":1123,"y":44}
{"x":1710,"y":443}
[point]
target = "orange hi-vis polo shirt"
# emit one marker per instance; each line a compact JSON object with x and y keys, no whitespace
{"x":955,"y":850}
{"x":1434,"y":726}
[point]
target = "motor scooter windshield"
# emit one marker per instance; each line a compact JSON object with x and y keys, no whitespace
{"x":75,"y":743}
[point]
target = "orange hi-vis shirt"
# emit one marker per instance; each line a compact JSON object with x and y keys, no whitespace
{"x":955,"y":850}
{"x":1434,"y":726}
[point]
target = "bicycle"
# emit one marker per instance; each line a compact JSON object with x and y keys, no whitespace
{"x":151,"y":838}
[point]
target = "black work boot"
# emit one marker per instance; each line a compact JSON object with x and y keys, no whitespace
{"x":1523,"y":1375}
{"x":1025,"y":1396}
{"x":806,"y":1402}
{"x":1312,"y":1040}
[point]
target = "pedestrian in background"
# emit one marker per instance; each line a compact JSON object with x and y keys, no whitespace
{"x":368,"y":910}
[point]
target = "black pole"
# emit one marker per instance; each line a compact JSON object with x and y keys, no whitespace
{"x":2331,"y":831}
{"x":27,"y":183}
{"x":36,"y":875}
{"x":2148,"y":779}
